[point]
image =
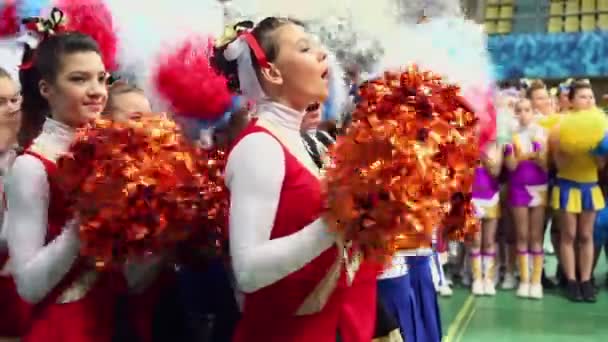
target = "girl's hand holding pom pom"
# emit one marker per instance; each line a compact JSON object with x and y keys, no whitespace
{"x":408,"y":161}
{"x":139,"y":188}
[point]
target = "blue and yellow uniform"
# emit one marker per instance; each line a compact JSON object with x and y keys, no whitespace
{"x":576,"y":187}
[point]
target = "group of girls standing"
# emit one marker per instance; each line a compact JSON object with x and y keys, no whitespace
{"x":282,"y":252}
{"x":542,"y":183}
{"x":48,"y":291}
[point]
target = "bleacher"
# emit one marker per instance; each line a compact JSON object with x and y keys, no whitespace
{"x":499,"y":16}
{"x":552,"y":16}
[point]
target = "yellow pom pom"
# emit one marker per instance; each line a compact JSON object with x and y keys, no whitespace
{"x":580,"y":132}
{"x":550,"y":121}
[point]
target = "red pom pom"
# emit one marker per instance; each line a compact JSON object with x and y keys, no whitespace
{"x":408,"y":160}
{"x":92,"y":17}
{"x":187,"y":80}
{"x":482,"y":103}
{"x":9,"y":24}
{"x":140,"y":187}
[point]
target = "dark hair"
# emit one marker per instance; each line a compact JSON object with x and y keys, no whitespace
{"x":533,"y":87}
{"x":576,"y":86}
{"x":330,"y":127}
{"x":263,"y":34}
{"x":45,"y":63}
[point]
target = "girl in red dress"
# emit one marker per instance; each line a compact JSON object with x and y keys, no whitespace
{"x":301,"y":282}
{"x":63,"y":88}
{"x":148,"y":278}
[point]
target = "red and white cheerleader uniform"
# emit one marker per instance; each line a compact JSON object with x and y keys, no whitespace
{"x":72,"y":302}
{"x":298,"y":285}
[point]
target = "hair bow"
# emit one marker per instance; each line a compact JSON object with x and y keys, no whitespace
{"x":115,"y":80}
{"x":554,"y":91}
{"x":46,"y":26}
{"x":240,"y":49}
{"x":524,"y":83}
{"x":232,"y":32}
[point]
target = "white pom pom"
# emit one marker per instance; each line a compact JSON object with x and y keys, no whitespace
{"x":235,"y":49}
{"x":144,"y":36}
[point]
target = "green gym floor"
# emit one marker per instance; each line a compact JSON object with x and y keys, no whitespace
{"x":507,"y":318}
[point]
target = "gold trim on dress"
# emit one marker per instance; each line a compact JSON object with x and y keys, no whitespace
{"x":79,"y":288}
{"x":393,"y":336}
{"x":315,"y":302}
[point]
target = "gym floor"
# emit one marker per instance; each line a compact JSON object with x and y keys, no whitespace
{"x":508,"y":318}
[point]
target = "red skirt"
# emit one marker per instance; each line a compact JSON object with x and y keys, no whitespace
{"x":14,"y":312}
{"x":90,"y":319}
{"x":351,"y":311}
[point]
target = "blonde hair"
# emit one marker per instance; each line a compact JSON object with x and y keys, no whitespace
{"x":5,"y":74}
{"x":520,"y":101}
{"x":120,"y":88}
{"x":534,"y":86}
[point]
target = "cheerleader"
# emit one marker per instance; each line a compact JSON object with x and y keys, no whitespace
{"x":12,"y":308}
{"x":126,"y":101}
{"x":205,"y":287}
{"x":317,"y":141}
{"x":547,"y":117}
{"x":64,"y":87}
{"x":10,"y":119}
{"x":146,"y":280}
{"x":301,"y":283}
{"x":526,"y":160}
{"x":578,"y":197}
{"x":506,"y":122}
{"x":540,"y":100}
{"x":486,"y":198}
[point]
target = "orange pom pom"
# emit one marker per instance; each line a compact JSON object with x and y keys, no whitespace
{"x":405,"y":166}
{"x":139,"y":187}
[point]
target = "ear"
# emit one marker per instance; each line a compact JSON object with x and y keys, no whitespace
{"x":44,"y":88}
{"x":272,"y":75}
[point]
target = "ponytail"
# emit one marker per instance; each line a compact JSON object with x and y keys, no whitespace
{"x":34,"y":107}
{"x":263,"y":35}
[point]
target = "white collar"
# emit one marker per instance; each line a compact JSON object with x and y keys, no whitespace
{"x":280,"y":115}
{"x":54,"y":140}
{"x":6,"y":159}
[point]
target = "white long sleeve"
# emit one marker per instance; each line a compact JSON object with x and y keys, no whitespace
{"x":254,"y":175}
{"x":6,"y":161}
{"x":37,"y":268}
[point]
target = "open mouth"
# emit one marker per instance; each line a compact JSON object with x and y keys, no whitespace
{"x":313,"y":107}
